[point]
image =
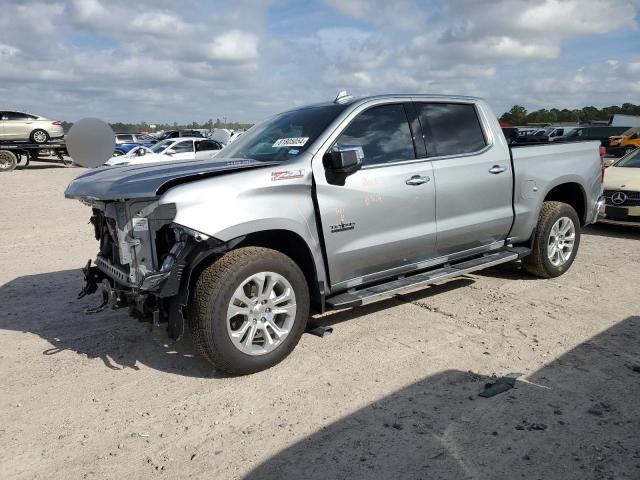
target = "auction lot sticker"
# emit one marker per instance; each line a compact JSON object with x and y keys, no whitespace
{"x":290,"y":142}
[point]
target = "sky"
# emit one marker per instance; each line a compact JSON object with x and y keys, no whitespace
{"x":183,"y":61}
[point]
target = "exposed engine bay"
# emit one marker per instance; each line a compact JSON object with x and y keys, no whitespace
{"x":142,"y":258}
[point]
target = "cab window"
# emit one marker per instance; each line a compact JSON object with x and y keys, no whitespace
{"x":451,"y":128}
{"x":381,"y":134}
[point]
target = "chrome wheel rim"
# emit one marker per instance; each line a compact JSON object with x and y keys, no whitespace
{"x":261,"y":313}
{"x":40,"y":137}
{"x":561,"y":241}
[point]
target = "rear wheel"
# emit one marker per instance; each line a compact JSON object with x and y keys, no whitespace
{"x":8,"y":161}
{"x":39,"y":136}
{"x":248,"y":310}
{"x":556,"y":241}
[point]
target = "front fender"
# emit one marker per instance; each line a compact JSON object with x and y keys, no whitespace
{"x":241,"y":203}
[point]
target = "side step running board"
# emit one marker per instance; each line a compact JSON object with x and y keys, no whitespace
{"x":374,"y":293}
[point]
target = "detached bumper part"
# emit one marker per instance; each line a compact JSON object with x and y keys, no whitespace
{"x":598,"y":212}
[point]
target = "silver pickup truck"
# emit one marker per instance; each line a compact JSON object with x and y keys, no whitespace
{"x":330,"y":206}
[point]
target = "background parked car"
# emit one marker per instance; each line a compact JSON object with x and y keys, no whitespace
{"x":622,"y":191}
{"x":170,"y":150}
{"x":26,"y":126}
{"x":593,"y":133}
{"x":558,"y":132}
{"x":178,"y":133}
{"x":624,"y":144}
{"x":126,"y":141}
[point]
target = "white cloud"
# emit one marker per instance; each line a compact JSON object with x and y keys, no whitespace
{"x":8,"y":50}
{"x":234,"y":45}
{"x":163,"y":60}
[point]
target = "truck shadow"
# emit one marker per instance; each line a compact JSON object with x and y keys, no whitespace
{"x":575,"y":418}
{"x":336,"y":317}
{"x":46,"y":305}
{"x":612,"y":231}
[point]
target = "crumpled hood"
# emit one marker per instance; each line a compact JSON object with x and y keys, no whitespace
{"x":149,"y":180}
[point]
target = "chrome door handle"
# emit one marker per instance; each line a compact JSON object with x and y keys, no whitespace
{"x":417,"y":180}
{"x":497,"y":169}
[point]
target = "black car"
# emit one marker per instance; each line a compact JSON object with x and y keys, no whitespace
{"x":593,"y":133}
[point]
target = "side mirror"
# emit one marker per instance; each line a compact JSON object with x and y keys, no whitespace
{"x":344,"y":161}
{"x":170,"y":151}
{"x":141,"y":151}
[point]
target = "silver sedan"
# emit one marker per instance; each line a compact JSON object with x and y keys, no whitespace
{"x":26,"y":126}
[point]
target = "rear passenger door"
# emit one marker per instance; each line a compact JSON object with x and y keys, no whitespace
{"x":473,"y":180}
{"x":206,"y":149}
{"x":379,"y":220}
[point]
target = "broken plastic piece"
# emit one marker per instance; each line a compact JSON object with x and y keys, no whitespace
{"x":318,"y":330}
{"x":501,"y":385}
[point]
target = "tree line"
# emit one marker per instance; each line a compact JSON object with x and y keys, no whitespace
{"x":518,"y":115}
{"x":120,"y":127}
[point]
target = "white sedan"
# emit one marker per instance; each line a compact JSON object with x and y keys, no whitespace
{"x":170,"y":150}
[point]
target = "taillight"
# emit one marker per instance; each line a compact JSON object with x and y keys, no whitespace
{"x":56,"y":122}
{"x":603,"y":151}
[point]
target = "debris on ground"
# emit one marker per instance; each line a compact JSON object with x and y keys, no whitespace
{"x":501,"y":385}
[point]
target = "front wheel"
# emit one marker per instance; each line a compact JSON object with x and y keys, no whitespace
{"x":556,"y":241}
{"x":248,"y":310}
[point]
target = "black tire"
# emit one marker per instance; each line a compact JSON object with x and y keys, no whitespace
{"x":8,"y":161}
{"x":39,"y":136}
{"x":538,"y":262}
{"x":207,"y":308}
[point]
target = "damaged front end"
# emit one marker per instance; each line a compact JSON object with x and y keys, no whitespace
{"x":145,"y":260}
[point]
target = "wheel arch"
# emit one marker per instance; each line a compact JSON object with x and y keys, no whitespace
{"x":286,"y":242}
{"x":571,"y":193}
{"x":295,"y":247}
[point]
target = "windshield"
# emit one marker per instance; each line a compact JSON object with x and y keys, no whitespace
{"x":284,"y":136}
{"x":630,"y":161}
{"x":160,"y":146}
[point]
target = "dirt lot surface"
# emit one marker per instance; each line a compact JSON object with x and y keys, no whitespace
{"x":392,"y":393}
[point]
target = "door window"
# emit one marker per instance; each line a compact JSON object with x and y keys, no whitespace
{"x":450,"y":128}
{"x":381,"y":133}
{"x":15,"y":116}
{"x":183,"y":147}
{"x":206,"y":145}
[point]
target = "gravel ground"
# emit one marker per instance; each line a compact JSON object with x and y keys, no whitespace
{"x":392,"y":393}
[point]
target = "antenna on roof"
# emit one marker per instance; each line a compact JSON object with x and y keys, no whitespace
{"x":342,"y":97}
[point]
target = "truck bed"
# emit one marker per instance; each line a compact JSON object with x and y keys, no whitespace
{"x":536,"y":170}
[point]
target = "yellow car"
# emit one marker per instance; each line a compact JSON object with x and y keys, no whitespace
{"x":625,"y":143}
{"x":622,"y":191}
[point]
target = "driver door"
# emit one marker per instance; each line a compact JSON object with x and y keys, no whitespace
{"x":184,"y":150}
{"x":380,"y":220}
